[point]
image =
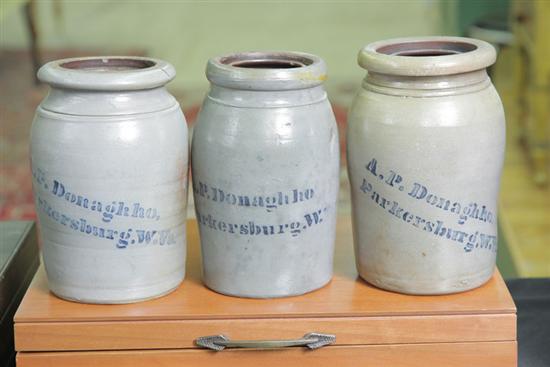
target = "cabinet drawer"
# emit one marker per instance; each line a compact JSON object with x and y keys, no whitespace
{"x":92,"y":336}
{"x":487,"y":354}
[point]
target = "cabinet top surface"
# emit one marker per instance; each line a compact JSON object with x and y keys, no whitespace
{"x":345,"y":296}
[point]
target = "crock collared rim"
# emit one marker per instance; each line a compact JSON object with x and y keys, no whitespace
{"x":426,"y":56}
{"x":107,"y":73}
{"x":266,"y":70}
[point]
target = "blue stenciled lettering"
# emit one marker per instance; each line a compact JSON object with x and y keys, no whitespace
{"x":145,"y":236}
{"x":473,"y":210}
{"x":108,"y":211}
{"x":269,"y":202}
{"x":252,"y":228}
{"x":123,"y":239}
{"x":469,"y":241}
{"x":421,"y":192}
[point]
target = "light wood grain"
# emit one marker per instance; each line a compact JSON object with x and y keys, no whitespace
{"x":345,"y":296}
{"x":498,"y":354}
{"x":125,"y":335}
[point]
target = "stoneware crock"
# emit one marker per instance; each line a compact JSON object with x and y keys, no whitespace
{"x":265,"y":164}
{"x":110,"y":160}
{"x":425,"y":147}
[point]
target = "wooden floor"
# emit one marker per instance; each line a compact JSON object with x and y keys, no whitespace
{"x":524,"y":214}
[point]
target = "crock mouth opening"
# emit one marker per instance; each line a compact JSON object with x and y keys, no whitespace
{"x":267,"y":61}
{"x":426,"y":48}
{"x":427,"y":56}
{"x":107,"y":73}
{"x":108,"y":64}
{"x":266,"y":70}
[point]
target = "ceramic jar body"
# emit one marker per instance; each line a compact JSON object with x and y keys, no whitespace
{"x":265,"y":181}
{"x":110,"y":184}
{"x":424,"y":159}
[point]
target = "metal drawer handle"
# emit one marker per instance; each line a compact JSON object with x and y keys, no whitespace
{"x":220,"y":342}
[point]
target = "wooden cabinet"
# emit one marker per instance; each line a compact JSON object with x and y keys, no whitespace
{"x":372,"y":327}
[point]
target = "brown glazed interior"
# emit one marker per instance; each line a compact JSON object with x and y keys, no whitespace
{"x":426,"y":48}
{"x":266,"y":61}
{"x":108,"y":64}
